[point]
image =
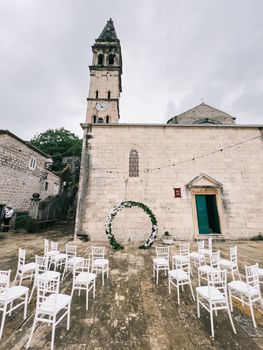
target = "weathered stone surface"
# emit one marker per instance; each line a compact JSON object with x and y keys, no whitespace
{"x":130,"y":311}
{"x":171,"y":156}
{"x":18,"y":181}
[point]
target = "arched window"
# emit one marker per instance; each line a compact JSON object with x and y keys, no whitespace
{"x":108,"y":95}
{"x":97,"y":94}
{"x":111,"y":59}
{"x":100,"y":120}
{"x":100,"y":59}
{"x":133,"y":163}
{"x":94,"y":119}
{"x":107,"y":119}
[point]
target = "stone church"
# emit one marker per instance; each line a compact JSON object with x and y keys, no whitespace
{"x":200,"y":174}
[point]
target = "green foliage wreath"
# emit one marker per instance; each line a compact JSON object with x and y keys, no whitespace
{"x":129,"y":204}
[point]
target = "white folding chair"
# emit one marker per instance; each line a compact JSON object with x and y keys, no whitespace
{"x":83,"y":279}
{"x":4,"y":279}
{"x":213,"y":297}
{"x":42,"y":271}
{"x":24,"y":270}
{"x":8,"y":297}
{"x":231,"y":265}
{"x":196,"y":256}
{"x":71,"y":259}
{"x":50,"y":303}
{"x":260,"y":273}
{"x":161,"y":261}
{"x":247,"y":292}
{"x":98,"y":262}
{"x":46,"y":246}
{"x":180,"y":276}
{"x":207,"y":251}
{"x":204,"y":269}
{"x":184,"y":249}
{"x":52,"y":252}
{"x":56,"y":258}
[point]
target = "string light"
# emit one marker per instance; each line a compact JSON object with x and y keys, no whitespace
{"x":183,"y":161}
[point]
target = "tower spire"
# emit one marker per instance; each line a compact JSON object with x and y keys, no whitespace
{"x":108,"y":33}
{"x":105,"y":78}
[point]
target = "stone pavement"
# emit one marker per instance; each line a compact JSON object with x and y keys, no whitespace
{"x":130,"y":311}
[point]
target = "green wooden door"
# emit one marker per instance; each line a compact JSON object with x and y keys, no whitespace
{"x":202,"y":214}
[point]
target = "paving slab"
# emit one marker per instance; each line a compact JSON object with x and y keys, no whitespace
{"x":130,"y":311}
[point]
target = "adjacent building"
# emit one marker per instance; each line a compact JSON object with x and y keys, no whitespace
{"x":24,"y":170}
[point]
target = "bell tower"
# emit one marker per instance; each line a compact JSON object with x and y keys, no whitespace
{"x":105,"y":78}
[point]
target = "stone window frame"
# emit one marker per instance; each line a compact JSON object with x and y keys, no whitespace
{"x":32,"y":163}
{"x":134,"y":163}
{"x":214,"y":188}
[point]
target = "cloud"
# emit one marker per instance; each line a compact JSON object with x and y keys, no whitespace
{"x":173,"y":56}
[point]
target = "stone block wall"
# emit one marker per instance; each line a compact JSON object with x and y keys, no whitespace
{"x":170,"y":156}
{"x":17,"y":181}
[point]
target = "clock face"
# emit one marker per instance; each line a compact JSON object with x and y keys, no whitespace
{"x":101,"y":106}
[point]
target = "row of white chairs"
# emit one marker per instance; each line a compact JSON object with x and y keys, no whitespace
{"x":49,"y":301}
{"x":215,"y":294}
{"x":60,"y":261}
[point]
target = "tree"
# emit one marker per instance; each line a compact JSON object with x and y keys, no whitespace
{"x":58,"y":143}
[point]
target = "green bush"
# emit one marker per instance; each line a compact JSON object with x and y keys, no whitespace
{"x":259,"y":237}
{"x":26,"y":223}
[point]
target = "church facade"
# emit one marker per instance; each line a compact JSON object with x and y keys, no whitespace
{"x":200,"y":174}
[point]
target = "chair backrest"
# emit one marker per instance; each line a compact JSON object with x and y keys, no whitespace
{"x":41,"y":263}
{"x":217,"y":279}
{"x":184,"y":248}
{"x":71,"y":250}
{"x":46,"y":246}
{"x":4,"y":279}
{"x":83,"y":266}
{"x":214,"y":259}
{"x":210,"y":244}
{"x":46,"y":287}
{"x":200,"y":246}
{"x":201,"y":259}
{"x":162,"y":252}
{"x":182,"y":264}
{"x":252,"y":276}
{"x":97,"y":252}
{"x":21,"y":257}
{"x":233,"y":255}
{"x":53,"y":246}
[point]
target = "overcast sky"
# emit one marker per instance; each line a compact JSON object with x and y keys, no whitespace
{"x":175,"y":53}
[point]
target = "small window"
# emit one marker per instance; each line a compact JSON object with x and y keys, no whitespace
{"x":46,"y":186}
{"x":97,"y":94}
{"x":56,"y":188}
{"x":100,"y":120}
{"x":134,"y":163}
{"x":111,"y":59}
{"x":108,"y":95}
{"x":32,"y":163}
{"x":107,"y":119}
{"x":100,"y":59}
{"x":94,"y":119}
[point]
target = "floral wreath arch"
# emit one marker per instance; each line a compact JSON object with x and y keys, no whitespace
{"x":129,"y":204}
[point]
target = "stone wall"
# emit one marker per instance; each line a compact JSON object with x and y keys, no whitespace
{"x":17,"y":181}
{"x":170,"y":156}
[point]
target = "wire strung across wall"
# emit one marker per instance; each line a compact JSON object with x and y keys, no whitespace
{"x":183,"y":161}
